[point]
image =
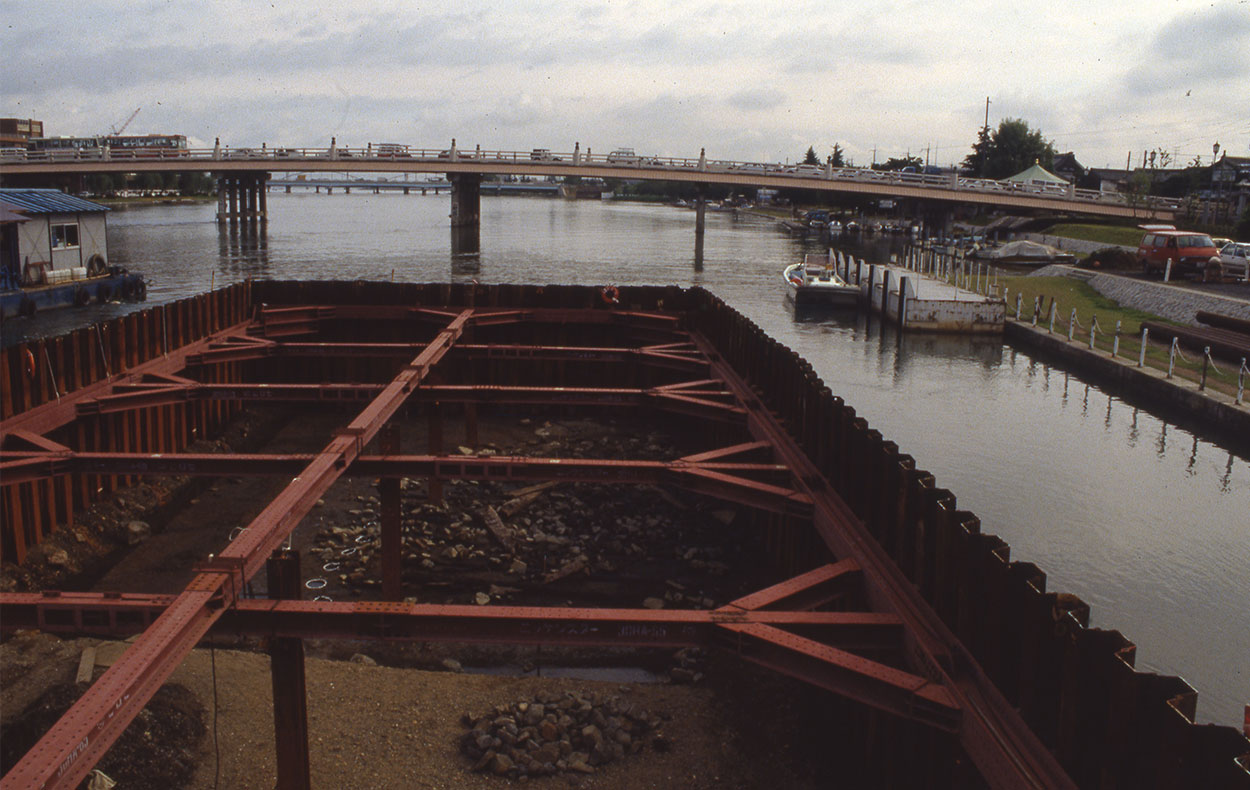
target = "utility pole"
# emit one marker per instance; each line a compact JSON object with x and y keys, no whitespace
{"x":987,"y":113}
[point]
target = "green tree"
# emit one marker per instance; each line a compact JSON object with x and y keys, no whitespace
{"x":1010,"y":148}
{"x":839,"y":156}
{"x":900,"y":162}
{"x":810,"y":158}
{"x":973,"y":165}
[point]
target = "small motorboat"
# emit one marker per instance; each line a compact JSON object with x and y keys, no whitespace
{"x":816,"y":282}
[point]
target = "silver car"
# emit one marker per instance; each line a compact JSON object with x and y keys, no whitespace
{"x":1232,"y":261}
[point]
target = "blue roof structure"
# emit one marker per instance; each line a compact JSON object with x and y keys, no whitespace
{"x":47,"y":201}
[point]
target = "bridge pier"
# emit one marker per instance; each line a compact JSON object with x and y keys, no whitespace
{"x":466,"y":199}
{"x":700,"y":221}
{"x":242,"y":198}
{"x":466,"y":213}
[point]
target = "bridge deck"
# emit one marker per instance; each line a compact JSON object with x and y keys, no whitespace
{"x":950,"y":188}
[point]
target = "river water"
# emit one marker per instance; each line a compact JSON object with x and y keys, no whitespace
{"x":1145,"y":521}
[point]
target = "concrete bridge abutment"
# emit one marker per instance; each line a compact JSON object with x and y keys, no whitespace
{"x":241,"y":197}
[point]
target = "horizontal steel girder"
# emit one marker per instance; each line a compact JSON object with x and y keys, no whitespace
{"x":718,"y":479}
{"x":308,"y":319}
{"x":122,"y":615}
{"x":671,"y":356}
{"x":709,"y":403}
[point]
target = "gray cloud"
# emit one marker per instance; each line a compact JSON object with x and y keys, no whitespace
{"x":1207,"y":47}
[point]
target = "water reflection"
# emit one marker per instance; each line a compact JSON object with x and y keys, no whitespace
{"x":243,"y":250}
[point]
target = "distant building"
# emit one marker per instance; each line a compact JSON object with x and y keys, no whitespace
{"x":1066,"y":167}
{"x":1230,"y":181}
{"x":15,"y":132}
{"x":1107,"y":179}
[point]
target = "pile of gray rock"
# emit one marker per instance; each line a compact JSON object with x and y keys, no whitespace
{"x":554,"y":733}
{"x":488,"y":541}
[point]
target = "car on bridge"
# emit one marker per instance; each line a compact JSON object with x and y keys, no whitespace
{"x":543,"y":155}
{"x":392,"y":151}
{"x":624,"y":156}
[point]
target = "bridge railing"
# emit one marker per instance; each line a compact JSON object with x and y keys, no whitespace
{"x":292,"y":157}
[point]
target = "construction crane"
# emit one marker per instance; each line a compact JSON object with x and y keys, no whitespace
{"x":116,"y":130}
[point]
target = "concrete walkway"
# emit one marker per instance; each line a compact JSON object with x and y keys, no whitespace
{"x":1173,"y":302}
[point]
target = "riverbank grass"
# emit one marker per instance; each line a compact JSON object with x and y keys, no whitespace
{"x":1097,"y":312}
{"x":1120,"y":235}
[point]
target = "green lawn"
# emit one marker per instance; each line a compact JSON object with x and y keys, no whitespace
{"x":1127,"y":236}
{"x":1067,"y":293}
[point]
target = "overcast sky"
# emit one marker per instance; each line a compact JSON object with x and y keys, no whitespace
{"x":759,"y":80}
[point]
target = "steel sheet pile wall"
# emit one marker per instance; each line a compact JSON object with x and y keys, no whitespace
{"x":35,"y":375}
{"x":1110,"y":725}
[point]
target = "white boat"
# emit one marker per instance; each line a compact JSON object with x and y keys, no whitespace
{"x":816,"y":282}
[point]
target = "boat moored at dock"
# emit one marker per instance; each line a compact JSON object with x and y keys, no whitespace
{"x":815,"y":281}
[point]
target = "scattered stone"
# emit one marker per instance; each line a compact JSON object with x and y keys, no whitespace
{"x":653,"y":603}
{"x":361,"y":658}
{"x":137,"y":532}
{"x":452,"y":665}
{"x":481,"y":599}
{"x":568,"y":734}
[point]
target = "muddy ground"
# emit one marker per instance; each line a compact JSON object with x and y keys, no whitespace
{"x":394,"y":715}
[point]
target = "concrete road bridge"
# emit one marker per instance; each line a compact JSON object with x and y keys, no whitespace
{"x":244,"y":173}
{"x":951,"y":188}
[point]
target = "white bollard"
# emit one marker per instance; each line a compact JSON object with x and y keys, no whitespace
{"x":1115,"y":344}
{"x":1167,"y":272}
{"x":1019,"y":301}
{"x":1172,"y":358}
{"x":1051,"y":328}
{"x":1071,"y":324}
{"x":1141,"y":358}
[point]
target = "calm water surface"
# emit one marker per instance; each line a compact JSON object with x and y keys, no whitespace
{"x":1146,"y":522}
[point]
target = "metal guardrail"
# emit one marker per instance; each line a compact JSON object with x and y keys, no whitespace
{"x":406,"y":154}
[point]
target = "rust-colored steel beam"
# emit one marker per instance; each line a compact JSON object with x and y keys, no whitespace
{"x":709,"y":403}
{"x":1002,"y":746}
{"x":805,"y":592}
{"x":307,"y":319}
{"x":76,"y":742}
{"x":102,"y":614}
{"x":718,"y":479}
{"x":912,"y":696}
{"x":670,"y":356}
{"x":55,"y":414}
{"x":286,"y":671}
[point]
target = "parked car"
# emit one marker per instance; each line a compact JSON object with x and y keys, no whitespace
{"x":543,"y":155}
{"x":1231,"y":262}
{"x":1189,"y":252}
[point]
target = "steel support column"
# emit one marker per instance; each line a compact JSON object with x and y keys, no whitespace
{"x":392,"y":539}
{"x":286,"y":668}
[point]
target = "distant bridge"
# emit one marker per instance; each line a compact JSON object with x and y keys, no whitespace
{"x":942,"y":189}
